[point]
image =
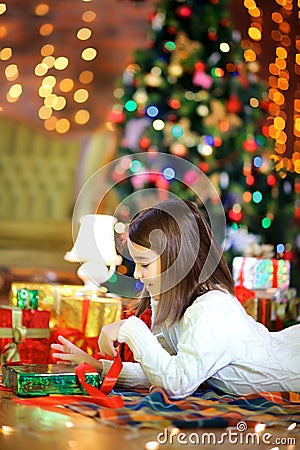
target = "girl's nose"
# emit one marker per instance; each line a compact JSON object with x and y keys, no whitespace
{"x":137,"y":273}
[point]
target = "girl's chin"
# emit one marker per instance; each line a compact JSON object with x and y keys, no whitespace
{"x":152,"y":294}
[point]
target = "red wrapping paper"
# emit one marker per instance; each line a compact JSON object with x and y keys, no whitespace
{"x":31,"y":350}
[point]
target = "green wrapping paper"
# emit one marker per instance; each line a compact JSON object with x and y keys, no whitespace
{"x":34,"y":380}
{"x":28,"y":298}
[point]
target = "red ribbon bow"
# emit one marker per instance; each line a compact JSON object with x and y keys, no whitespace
{"x":107,"y":384}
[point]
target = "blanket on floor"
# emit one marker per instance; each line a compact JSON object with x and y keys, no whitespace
{"x":205,"y":408}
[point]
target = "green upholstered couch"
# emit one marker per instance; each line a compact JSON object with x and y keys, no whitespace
{"x":40,"y":177}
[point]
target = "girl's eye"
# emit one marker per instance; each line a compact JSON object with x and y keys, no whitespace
{"x":144,"y":266}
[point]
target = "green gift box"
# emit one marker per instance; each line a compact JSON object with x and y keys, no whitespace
{"x":34,"y":380}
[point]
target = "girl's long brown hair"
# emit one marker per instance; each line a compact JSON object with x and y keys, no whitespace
{"x":192,"y":263}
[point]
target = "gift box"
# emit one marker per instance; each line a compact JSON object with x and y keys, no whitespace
{"x":257,"y":307}
{"x":24,"y":335}
{"x":5,"y":380}
{"x":285,"y":307}
{"x":91,"y":313}
{"x":260,"y":309}
{"x":80,"y":320}
{"x":261,"y":273}
{"x":43,"y":379}
{"x":277,"y":307}
{"x":274,"y":307}
{"x":42,"y":296}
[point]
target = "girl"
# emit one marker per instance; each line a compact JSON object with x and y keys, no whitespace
{"x":200,"y":332}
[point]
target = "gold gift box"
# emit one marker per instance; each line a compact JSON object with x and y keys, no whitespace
{"x":260,"y":309}
{"x":101,"y":311}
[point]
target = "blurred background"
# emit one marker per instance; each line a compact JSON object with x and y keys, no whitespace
{"x":85,"y":82}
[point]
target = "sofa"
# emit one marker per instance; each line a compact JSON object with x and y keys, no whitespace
{"x":41,"y":175}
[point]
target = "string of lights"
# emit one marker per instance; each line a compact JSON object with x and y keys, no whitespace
{"x":57,"y":88}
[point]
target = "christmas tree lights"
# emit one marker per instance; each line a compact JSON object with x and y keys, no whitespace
{"x":194,"y":92}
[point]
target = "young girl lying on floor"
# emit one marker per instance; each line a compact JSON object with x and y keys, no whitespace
{"x":200,"y":332}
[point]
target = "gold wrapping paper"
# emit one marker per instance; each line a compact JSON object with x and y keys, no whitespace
{"x":47,"y":293}
{"x":102,"y":311}
{"x":260,"y":309}
{"x":50,"y":295}
{"x":250,"y":306}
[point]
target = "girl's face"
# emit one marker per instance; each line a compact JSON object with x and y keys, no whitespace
{"x":147,"y":267}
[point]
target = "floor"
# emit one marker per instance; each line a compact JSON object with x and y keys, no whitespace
{"x":31,"y":428}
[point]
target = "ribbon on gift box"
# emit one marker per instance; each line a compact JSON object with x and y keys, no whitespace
{"x":18,"y":333}
{"x":107,"y":385}
{"x":241,"y":292}
{"x":76,"y":336}
{"x":264,"y":315}
{"x":275,"y":272}
{"x":100,"y":396}
{"x":244,"y":294}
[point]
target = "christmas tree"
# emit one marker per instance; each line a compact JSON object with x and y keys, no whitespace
{"x":194,"y":92}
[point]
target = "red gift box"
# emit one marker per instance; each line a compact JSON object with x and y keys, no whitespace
{"x":24,"y":335}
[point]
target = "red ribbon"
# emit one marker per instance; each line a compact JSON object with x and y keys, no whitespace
{"x":263,"y":311}
{"x":275,"y":273}
{"x":274,"y":277}
{"x":241,"y":278}
{"x":243,"y":294}
{"x":106,"y":386}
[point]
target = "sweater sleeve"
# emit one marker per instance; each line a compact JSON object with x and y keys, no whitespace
{"x":202,"y":349}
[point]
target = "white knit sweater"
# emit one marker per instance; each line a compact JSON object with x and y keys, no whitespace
{"x":216,"y":341}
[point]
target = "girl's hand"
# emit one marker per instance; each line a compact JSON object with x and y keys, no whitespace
{"x":108,"y":338}
{"x":73,"y":354}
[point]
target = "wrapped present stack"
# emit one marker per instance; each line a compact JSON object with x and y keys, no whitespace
{"x":71,"y":313}
{"x":42,"y":296}
{"x":262,"y":284}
